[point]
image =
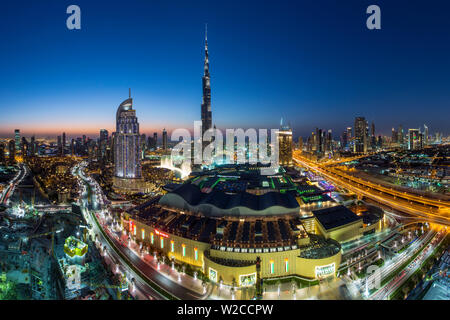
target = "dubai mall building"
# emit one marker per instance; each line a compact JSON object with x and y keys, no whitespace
{"x":238,"y":226}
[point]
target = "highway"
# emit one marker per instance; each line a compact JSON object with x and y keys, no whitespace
{"x":147,"y":277}
{"x":111,"y":253}
{"x":9,"y":190}
{"x":412,"y":267}
{"x":392,"y":266}
{"x":442,"y":204}
{"x":389,"y":197}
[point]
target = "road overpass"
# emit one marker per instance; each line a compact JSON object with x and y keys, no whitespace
{"x":430,"y":210}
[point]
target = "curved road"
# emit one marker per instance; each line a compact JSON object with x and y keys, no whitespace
{"x":117,"y":250}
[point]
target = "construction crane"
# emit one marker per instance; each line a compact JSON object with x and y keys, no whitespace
{"x":52,"y":233}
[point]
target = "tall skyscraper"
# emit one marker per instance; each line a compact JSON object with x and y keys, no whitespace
{"x":127,"y":162}
{"x":319,"y":140}
{"x":103,"y":143}
{"x":59,"y":146}
{"x":164,"y":139}
{"x":72,"y":147}
{"x":425,"y":134}
{"x":329,"y":141}
{"x":111,"y":147}
{"x":12,"y":152}
{"x":155,"y":138}
{"x":151,"y":143}
{"x":63,"y":146}
{"x":400,"y":135}
{"x":103,"y":135}
{"x":344,"y":139}
{"x":17,"y":139}
{"x":33,"y":149}
{"x":206,"y":100}
{"x":414,"y":140}
{"x":285,"y":145}
{"x":349,"y":137}
{"x":394,"y":136}
{"x":143,"y":145}
{"x":24,"y":147}
{"x":360,"y":145}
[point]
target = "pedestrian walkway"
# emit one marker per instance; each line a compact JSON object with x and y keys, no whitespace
{"x":166,"y":269}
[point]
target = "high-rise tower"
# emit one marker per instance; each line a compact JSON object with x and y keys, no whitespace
{"x":127,"y":164}
{"x":206,"y":100}
{"x":12,"y":152}
{"x":63,"y":144}
{"x":285,"y":145}
{"x":425,"y":134}
{"x":17,"y":139}
{"x":127,"y":151}
{"x":164,"y":139}
{"x":361,"y":135}
{"x":414,"y":139}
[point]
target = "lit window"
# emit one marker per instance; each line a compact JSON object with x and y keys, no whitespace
{"x":162,"y":242}
{"x":272,"y":267}
{"x":152,"y":238}
{"x":172,"y":246}
{"x":184,"y":249}
{"x":286,"y":265}
{"x":143,"y":234}
{"x":195,"y":253}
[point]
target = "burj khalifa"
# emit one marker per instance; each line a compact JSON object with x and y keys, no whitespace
{"x":206,"y":84}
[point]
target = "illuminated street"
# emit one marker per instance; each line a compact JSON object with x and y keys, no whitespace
{"x":225,"y":158}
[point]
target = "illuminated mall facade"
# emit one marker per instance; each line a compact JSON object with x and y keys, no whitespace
{"x":236,"y":226}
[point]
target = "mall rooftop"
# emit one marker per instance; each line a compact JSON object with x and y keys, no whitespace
{"x":334,"y":217}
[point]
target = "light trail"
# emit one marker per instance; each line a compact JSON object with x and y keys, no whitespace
{"x":416,"y":210}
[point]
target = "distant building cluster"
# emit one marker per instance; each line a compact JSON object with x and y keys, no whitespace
{"x":362,"y":139}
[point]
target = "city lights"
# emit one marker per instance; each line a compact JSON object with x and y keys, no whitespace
{"x":233,"y":168}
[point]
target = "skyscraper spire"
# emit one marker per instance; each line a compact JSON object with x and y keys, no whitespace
{"x":129,"y":92}
{"x":206,"y":101}
{"x":206,"y":65}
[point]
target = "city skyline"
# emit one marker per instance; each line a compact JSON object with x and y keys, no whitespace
{"x":234,"y":151}
{"x":306,"y":73}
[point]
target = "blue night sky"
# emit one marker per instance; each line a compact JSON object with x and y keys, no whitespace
{"x":314,"y":63}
